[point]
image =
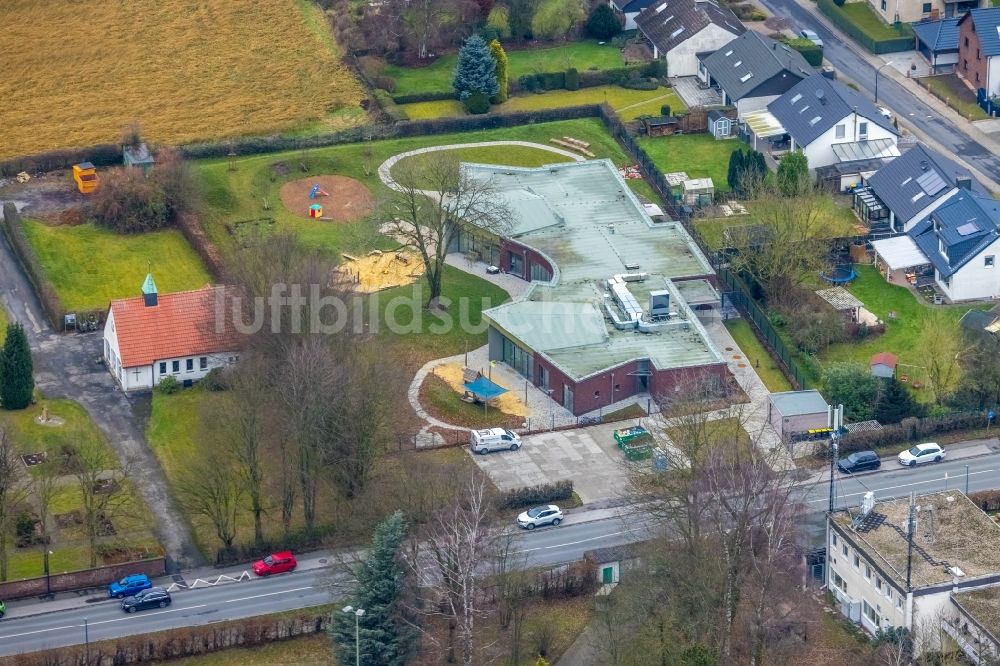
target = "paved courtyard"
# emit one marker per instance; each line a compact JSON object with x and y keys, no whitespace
{"x":690,"y":90}
{"x":587,"y":456}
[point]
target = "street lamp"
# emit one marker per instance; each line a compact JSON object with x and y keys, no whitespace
{"x":86,"y":640}
{"x":876,"y":79}
{"x":358,"y":613}
{"x":45,"y":560}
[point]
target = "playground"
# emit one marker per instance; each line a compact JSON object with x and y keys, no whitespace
{"x":328,"y":198}
{"x":380,"y":270}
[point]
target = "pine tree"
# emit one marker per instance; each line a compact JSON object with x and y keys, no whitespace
{"x":381,"y":633}
{"x":737,"y":164}
{"x":603,"y":24}
{"x":17,"y":382}
{"x":896,"y":403}
{"x":500,"y":56}
{"x":793,"y":174}
{"x":476,"y":71}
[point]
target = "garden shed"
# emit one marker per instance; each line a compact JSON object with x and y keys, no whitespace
{"x":698,"y":191}
{"x":883,"y":364}
{"x":842,"y":301}
{"x":660,"y":125}
{"x":138,"y":155}
{"x":719,"y":125}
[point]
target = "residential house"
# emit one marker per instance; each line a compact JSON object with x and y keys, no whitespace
{"x":627,"y":10}
{"x":973,"y":621}
{"x":979,"y":49}
{"x":604,"y":319}
{"x":897,"y":564}
{"x":960,"y":240}
{"x":679,"y":30}
{"x":792,"y":413}
{"x":832,"y":123}
{"x":753,"y":70}
{"x":911,"y":187}
{"x":937,"y":42}
{"x":912,"y":11}
{"x":178,"y":335}
{"x":983,"y":325}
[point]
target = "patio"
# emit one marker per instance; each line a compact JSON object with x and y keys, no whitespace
{"x":689,"y":89}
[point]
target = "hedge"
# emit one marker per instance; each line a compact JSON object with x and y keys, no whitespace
{"x":812,"y":52}
{"x":842,"y":21}
{"x":547,"y":492}
{"x":423,"y":97}
{"x":906,"y":431}
{"x":389,"y":106}
{"x":987,"y":500}
{"x":26,"y":256}
{"x":101,"y":155}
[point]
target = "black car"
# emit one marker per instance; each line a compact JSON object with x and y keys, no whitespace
{"x":154,"y":597}
{"x":859,"y":461}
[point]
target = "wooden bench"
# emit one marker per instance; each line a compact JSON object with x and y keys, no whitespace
{"x":577,"y":142}
{"x":567,"y":144}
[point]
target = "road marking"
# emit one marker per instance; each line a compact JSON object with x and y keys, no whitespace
{"x":958,"y":477}
{"x":131,"y":615}
{"x":271,"y":594}
{"x":39,"y":631}
{"x":574,"y":543}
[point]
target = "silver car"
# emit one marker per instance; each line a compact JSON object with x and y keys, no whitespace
{"x":812,"y":37}
{"x":549,"y":514}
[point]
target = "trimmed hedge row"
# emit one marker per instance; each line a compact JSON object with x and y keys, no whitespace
{"x":547,"y":492}
{"x":876,"y":46}
{"x":26,"y":256}
{"x":908,"y":430}
{"x":813,"y":53}
{"x":389,"y":106}
{"x":104,"y":154}
{"x":423,"y":97}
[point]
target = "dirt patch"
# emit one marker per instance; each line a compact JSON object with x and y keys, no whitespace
{"x":380,"y":270}
{"x":45,"y":196}
{"x":508,"y":403}
{"x":347,"y":199}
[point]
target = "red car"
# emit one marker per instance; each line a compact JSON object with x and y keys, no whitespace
{"x":275,"y":563}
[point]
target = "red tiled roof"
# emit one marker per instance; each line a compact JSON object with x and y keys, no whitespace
{"x":884,"y":358}
{"x":180,"y":324}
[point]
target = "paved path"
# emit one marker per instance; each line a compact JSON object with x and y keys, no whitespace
{"x":68,"y":366}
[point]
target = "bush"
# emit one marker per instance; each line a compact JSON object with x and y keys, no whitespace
{"x":665,"y":110}
{"x":423,"y":97}
{"x":573,"y":77}
{"x":389,"y":106}
{"x":602,"y":23}
{"x":128,"y":202}
{"x":216,"y":380}
{"x":386,"y":83}
{"x":477,"y":103}
{"x":987,"y":500}
{"x":169,"y":385}
{"x":812,"y":53}
{"x":654,"y":69}
{"x":548,"y":492}
{"x":641,"y":84}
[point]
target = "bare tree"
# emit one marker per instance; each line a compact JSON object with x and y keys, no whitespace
{"x":433,"y":201}
{"x":103,"y":491}
{"x":13,"y":492}
{"x":214,"y":491}
{"x":245,"y":420}
{"x":46,"y":488}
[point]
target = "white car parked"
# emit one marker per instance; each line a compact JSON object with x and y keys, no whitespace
{"x":540,"y":515}
{"x":494,"y":439}
{"x":920,"y":454}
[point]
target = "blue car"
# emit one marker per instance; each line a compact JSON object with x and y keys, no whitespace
{"x":129,"y":586}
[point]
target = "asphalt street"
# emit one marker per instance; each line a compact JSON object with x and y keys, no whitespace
{"x":843,"y":55}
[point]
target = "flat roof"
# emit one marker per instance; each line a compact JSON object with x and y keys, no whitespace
{"x":983,"y":605}
{"x":590,"y":225}
{"x":839,"y":298}
{"x":796,"y":403}
{"x":698,"y":292}
{"x":951,"y":531}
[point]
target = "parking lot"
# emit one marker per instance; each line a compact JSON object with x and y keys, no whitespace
{"x":587,"y":456}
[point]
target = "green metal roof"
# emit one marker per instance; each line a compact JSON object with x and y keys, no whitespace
{"x":148,"y":286}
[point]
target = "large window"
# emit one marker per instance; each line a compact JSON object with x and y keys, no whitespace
{"x":837,"y":581}
{"x":840,"y":131}
{"x":516,"y":263}
{"x":517,"y":358}
{"x":870,"y":613}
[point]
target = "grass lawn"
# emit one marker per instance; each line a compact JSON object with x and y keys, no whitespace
{"x":699,"y":155}
{"x":443,"y":402}
{"x":865,"y":18}
{"x":309,"y":650}
{"x":89,"y":266}
{"x":69,"y":545}
{"x":629,"y":104}
{"x":437,"y":77}
{"x":838,"y":221}
{"x":185,"y":71}
{"x":958,"y":96}
{"x":755,"y":353}
{"x":522,"y":156}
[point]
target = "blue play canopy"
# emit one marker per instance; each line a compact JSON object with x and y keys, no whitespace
{"x":484,"y":389}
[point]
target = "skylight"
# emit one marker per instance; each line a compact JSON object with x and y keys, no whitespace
{"x":804,"y":109}
{"x":916,"y":197}
{"x":677,"y":32}
{"x":796,"y":98}
{"x":737,"y":63}
{"x":908,"y":179}
{"x":746,"y":77}
{"x":661,"y":8}
{"x":728,"y":53}
{"x":815,"y":120}
{"x":969,"y":227}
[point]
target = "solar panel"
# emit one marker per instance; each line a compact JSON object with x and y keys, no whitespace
{"x":931,"y":183}
{"x":968,"y":228}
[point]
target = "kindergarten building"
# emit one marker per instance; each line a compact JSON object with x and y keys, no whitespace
{"x":611,"y":309}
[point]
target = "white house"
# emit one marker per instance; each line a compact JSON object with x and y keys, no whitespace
{"x":627,"y":10}
{"x":679,"y":30}
{"x":879,"y":581}
{"x":149,"y":337}
{"x":832,"y":123}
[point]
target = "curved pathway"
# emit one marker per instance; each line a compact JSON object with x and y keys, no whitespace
{"x":385,"y":174}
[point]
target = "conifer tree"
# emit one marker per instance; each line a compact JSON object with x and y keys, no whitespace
{"x":17,"y":382}
{"x":500,"y":56}
{"x":476,"y":71}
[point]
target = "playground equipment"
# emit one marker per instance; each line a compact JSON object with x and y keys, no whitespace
{"x":315,"y":211}
{"x":840,"y":275}
{"x":317,"y":191}
{"x":85,"y":175}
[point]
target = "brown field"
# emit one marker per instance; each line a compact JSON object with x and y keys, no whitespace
{"x":346,"y":199}
{"x":76,"y":73}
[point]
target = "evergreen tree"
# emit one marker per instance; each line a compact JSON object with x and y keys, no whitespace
{"x":17,"y":381}
{"x":476,"y":71}
{"x":499,"y":20}
{"x":519,"y":18}
{"x":737,"y":161}
{"x":603,"y":24}
{"x":793,"y":174}
{"x":500,"y":56}
{"x":381,"y":634}
{"x":854,"y":387}
{"x":896,"y":403}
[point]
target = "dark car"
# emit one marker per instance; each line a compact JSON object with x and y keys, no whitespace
{"x":128,"y":586}
{"x":3,"y":609}
{"x":154,"y":597}
{"x":859,"y":461}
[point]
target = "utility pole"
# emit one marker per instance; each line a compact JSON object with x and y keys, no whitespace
{"x":835,"y":420}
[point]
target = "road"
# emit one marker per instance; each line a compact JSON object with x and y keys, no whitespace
{"x":300,"y":589}
{"x":843,"y":55}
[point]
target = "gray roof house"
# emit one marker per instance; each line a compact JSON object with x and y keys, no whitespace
{"x":794,"y":412}
{"x":982,"y":324}
{"x":912,"y":186}
{"x":937,"y":42}
{"x":753,"y":70}
{"x":833,"y":123}
{"x":679,"y":30}
{"x":627,"y":10}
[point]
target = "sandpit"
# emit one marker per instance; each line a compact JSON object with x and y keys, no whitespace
{"x":348,"y":199}
{"x":381,"y":270}
{"x":508,"y":403}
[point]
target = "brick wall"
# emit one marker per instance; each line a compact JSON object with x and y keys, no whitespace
{"x":78,"y":580}
{"x":531,"y":258}
{"x":971,"y":62}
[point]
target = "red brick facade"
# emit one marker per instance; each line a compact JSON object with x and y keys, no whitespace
{"x":972,"y":64}
{"x":528,"y":257}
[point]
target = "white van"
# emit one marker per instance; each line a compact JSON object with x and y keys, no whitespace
{"x":494,"y":439}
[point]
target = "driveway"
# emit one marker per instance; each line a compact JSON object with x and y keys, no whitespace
{"x":66,"y":366}
{"x":587,"y":456}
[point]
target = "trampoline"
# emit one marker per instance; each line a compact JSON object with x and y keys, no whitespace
{"x":840,"y":275}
